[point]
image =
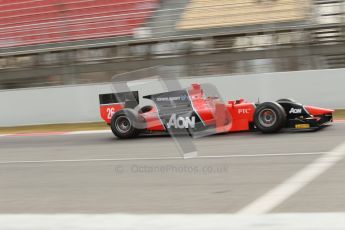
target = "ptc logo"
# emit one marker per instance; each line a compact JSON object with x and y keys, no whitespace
{"x":295,"y":111}
{"x":181,"y":122}
{"x":243,"y":111}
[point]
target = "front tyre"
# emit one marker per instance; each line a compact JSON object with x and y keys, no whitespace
{"x":286,"y":100}
{"x":123,"y":124}
{"x":270,"y":117}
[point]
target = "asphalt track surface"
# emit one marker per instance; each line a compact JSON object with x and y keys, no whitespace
{"x":96,"y":173}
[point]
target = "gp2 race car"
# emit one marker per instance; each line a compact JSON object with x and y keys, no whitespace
{"x":191,"y":111}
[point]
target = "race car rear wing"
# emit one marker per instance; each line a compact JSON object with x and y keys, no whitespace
{"x":129,"y":99}
{"x":112,"y":102}
{"x":172,"y":102}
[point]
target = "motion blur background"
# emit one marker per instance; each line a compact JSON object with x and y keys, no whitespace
{"x":57,"y":56}
{"x":62,"y":42}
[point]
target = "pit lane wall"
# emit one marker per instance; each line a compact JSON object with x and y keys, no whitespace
{"x":80,"y":103}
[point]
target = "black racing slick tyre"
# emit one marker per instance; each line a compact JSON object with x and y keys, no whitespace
{"x":126,"y":124}
{"x":270,"y":117}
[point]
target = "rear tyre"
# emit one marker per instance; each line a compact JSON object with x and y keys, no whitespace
{"x":270,"y":117}
{"x":124,"y":124}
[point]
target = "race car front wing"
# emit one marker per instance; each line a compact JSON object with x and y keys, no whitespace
{"x":310,"y":122}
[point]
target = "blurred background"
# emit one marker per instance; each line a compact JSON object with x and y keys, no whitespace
{"x":57,"y":56}
{"x":67,"y":42}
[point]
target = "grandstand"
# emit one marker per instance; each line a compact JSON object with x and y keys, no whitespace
{"x":50,"y":42}
{"x":24,"y":22}
{"x":208,"y":13}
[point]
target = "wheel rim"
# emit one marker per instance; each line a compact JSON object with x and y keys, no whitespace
{"x":267,"y":117}
{"x":123,"y":124}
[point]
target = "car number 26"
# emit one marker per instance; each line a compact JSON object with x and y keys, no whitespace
{"x":110,"y":112}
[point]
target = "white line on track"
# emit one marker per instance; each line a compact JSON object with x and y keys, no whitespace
{"x":60,"y":133}
{"x":118,"y":221}
{"x":40,"y":134}
{"x":88,"y":132}
{"x":295,"y":183}
{"x":159,"y":158}
{"x":104,"y":131}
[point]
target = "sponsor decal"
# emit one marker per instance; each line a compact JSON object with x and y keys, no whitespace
{"x":181,"y":122}
{"x":302,"y":126}
{"x":176,"y":98}
{"x":244,"y":111}
{"x":295,"y":111}
{"x":184,"y":97}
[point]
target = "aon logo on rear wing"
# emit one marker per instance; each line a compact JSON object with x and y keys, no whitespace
{"x":181,"y":122}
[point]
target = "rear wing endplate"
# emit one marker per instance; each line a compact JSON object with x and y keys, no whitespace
{"x":129,"y":99}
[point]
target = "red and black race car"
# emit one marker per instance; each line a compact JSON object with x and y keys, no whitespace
{"x":191,"y":111}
